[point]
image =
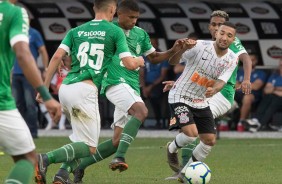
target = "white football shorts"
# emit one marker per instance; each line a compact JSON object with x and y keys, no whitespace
{"x":123,"y":97}
{"x":219,"y":105}
{"x":80,"y":104}
{"x":15,"y":137}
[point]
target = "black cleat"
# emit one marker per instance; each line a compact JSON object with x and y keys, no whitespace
{"x":61,"y":180}
{"x":78,"y":175}
{"x":118,"y":163}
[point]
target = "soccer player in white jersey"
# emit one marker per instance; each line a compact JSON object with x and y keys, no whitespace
{"x":209,"y":65}
{"x":91,"y":47}
{"x":15,"y":137}
{"x":221,"y":102}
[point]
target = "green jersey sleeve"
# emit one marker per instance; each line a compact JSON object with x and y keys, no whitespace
{"x":19,"y":26}
{"x":146,"y":45}
{"x":121,"y":44}
{"x":237,"y":47}
{"x":67,"y":42}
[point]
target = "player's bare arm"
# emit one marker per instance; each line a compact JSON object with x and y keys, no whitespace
{"x":53,"y":65}
{"x":157,"y":57}
{"x":247,"y":65}
{"x":216,"y":88}
{"x":133,"y":63}
{"x":188,"y":44}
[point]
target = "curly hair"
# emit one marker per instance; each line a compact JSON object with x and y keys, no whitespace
{"x":220,"y":13}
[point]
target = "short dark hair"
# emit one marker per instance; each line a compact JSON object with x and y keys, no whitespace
{"x":100,"y":4}
{"x":128,"y":5}
{"x":229,"y":24}
{"x":220,"y":13}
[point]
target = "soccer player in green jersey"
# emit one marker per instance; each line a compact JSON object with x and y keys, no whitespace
{"x":221,"y":102}
{"x":91,"y":47}
{"x":122,"y":88}
{"x":15,"y":136}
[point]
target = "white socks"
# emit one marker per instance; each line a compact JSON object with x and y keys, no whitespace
{"x":181,"y":140}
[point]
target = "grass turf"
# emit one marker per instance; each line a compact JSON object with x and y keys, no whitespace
{"x":232,"y":161}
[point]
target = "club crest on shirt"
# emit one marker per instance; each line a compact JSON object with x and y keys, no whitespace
{"x":183,"y":118}
{"x":138,"y":48}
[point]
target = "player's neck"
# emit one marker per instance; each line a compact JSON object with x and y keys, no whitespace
{"x":219,"y":52}
{"x":102,"y":16}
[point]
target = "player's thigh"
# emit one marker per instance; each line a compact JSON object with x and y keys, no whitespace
{"x":15,"y":136}
{"x":123,"y":96}
{"x":219,"y":105}
{"x":204,"y":120}
{"x":81,"y":105}
{"x":120,"y":118}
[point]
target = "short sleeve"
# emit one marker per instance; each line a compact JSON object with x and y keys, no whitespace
{"x":19,"y":27}
{"x":121,"y":44}
{"x":66,"y":44}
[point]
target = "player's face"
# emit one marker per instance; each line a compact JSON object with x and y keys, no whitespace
{"x":225,"y":36}
{"x":215,"y":23}
{"x":127,"y":19}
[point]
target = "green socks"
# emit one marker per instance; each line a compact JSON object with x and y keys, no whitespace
{"x":68,"y":153}
{"x":186,"y":151}
{"x":22,"y":172}
{"x":104,"y":150}
{"x":129,"y":133}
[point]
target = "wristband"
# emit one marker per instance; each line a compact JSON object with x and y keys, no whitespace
{"x":44,"y":93}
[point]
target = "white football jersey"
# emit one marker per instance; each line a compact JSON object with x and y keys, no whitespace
{"x":203,"y":68}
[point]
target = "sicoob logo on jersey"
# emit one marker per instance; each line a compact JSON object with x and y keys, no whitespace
{"x":182,"y":113}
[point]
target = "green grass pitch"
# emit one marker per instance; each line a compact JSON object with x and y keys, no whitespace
{"x":232,"y":161}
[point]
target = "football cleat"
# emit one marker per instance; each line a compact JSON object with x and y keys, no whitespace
{"x":78,"y":175}
{"x":172,"y":159}
{"x":41,"y":169}
{"x":61,"y":180}
{"x":180,"y":177}
{"x":173,"y":177}
{"x":118,"y":163}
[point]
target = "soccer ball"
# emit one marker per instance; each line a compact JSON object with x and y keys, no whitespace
{"x":198,"y":173}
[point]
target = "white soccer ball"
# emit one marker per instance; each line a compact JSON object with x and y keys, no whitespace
{"x":198,"y":173}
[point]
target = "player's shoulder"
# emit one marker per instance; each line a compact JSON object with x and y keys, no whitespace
{"x":231,"y":54}
{"x":12,"y":9}
{"x":139,"y":29}
{"x":205,"y":42}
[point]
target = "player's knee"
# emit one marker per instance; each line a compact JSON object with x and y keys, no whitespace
{"x":31,"y":156}
{"x":141,"y":113}
{"x":211,"y":140}
{"x":92,"y":150}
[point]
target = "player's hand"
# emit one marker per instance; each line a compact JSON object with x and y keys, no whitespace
{"x":210,"y":92}
{"x":246,"y":87}
{"x":178,"y":45}
{"x":168,"y":85}
{"x":38,"y":98}
{"x":189,"y":43}
{"x":54,"y":109}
